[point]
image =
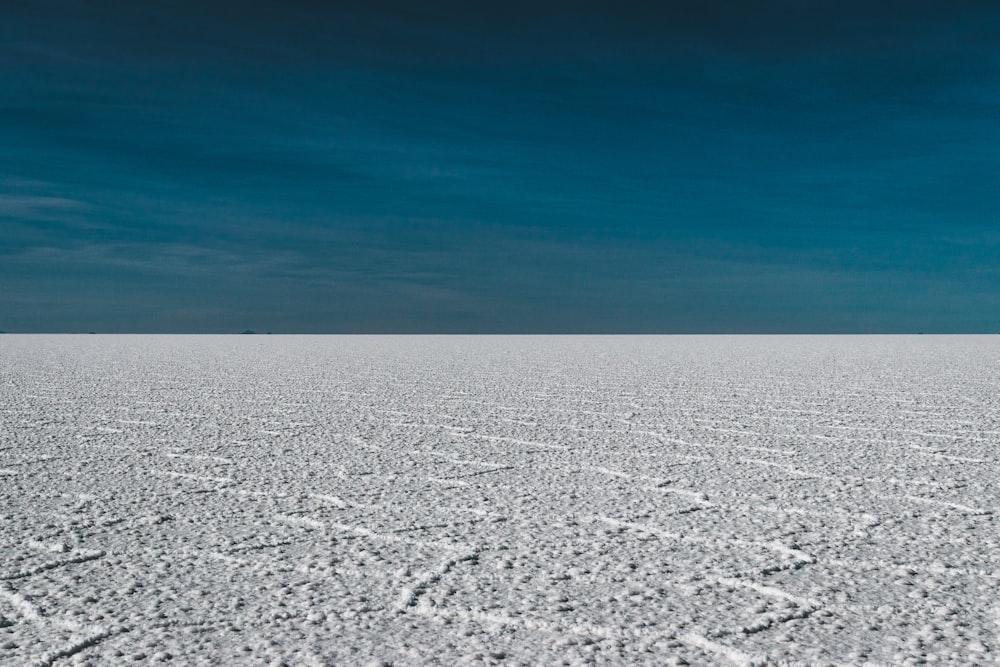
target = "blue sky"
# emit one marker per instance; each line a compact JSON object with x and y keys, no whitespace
{"x":771,"y":166}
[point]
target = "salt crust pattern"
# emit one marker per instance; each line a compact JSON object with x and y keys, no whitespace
{"x":499,"y":500}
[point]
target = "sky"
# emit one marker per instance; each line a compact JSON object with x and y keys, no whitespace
{"x":698,"y":166}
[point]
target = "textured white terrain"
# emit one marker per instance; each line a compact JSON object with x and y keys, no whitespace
{"x":501,"y":500}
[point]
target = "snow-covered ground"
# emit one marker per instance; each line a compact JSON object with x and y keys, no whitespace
{"x":506,"y":500}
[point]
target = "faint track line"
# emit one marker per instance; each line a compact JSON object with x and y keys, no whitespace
{"x":193,"y":477}
{"x":580,"y":629}
{"x":334,"y":500}
{"x":937,"y":453}
{"x":302,"y":522}
{"x":516,"y":441}
{"x":770,"y":591}
{"x":976,"y":511}
{"x":199,"y":457}
{"x":92,"y":635}
{"x":660,"y":484}
{"x":447,"y":481}
{"x":76,"y":556}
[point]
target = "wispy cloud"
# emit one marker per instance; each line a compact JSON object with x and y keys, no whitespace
{"x":32,"y":205}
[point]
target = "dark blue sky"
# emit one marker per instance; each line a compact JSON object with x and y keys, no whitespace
{"x":700,"y":166}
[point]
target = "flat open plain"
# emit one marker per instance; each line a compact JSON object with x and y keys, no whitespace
{"x":342,"y":500}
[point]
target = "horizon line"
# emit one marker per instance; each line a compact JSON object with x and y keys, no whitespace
{"x":501,"y":333}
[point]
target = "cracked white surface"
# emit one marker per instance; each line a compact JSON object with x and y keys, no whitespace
{"x":511,"y":500}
